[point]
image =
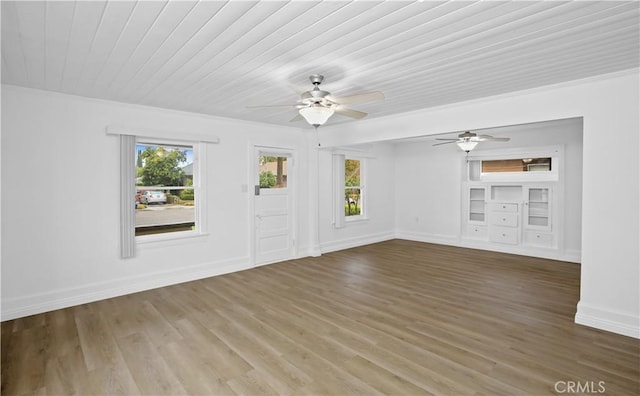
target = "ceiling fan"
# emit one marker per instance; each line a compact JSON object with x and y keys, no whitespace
{"x":468,"y":140}
{"x":317,"y":106}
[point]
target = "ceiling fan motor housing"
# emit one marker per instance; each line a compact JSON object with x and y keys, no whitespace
{"x":467,"y":135}
{"x":316,"y":79}
{"x":316,"y":96}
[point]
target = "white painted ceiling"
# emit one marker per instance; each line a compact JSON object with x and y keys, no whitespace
{"x":219,"y":57}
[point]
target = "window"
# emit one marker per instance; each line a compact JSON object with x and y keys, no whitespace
{"x":166,"y":183}
{"x":129,"y":140}
{"x":517,"y":165}
{"x":273,"y":171}
{"x":353,"y":188}
{"x":349,"y":192}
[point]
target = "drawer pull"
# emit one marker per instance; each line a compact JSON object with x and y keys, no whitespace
{"x":504,"y":235}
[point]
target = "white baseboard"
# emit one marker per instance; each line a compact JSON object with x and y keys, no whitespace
{"x":453,"y":240}
{"x":615,"y":322}
{"x":440,"y":239}
{"x":355,"y":242}
{"x":572,"y":256}
{"x":13,"y":308}
{"x":309,"y":251}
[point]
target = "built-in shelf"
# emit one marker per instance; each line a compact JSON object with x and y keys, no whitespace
{"x":477,"y":205}
{"x":506,"y":193}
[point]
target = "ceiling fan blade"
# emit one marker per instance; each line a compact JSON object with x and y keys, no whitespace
{"x":454,"y":140}
{"x":360,"y":98}
{"x":439,"y":144}
{"x":484,"y":138}
{"x":350,"y":113}
{"x":297,"y":118}
{"x":276,"y":105}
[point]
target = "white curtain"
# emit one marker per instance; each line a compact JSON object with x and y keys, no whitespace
{"x":338,"y":190}
{"x":127,"y":195}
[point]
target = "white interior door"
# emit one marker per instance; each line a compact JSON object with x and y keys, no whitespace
{"x":273,"y":202}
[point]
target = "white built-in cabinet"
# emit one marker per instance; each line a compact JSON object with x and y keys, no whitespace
{"x":538,"y":217}
{"x":513,"y":214}
{"x":514,"y":209}
{"x":476,"y":217}
{"x":537,"y":206}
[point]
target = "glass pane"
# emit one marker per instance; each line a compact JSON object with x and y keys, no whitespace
{"x":351,"y":172}
{"x":539,"y":194}
{"x":273,"y":171}
{"x":538,"y":221}
{"x":165,"y":196}
{"x":477,"y":194}
{"x":517,"y":165}
{"x":353,"y":192}
{"x":476,"y":206}
{"x":352,"y":201}
{"x":476,"y":217}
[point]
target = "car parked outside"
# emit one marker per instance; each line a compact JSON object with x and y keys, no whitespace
{"x":149,"y":197}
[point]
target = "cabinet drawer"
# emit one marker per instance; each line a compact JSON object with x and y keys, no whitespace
{"x":538,"y":238}
{"x":504,"y":235}
{"x":504,"y":207}
{"x":477,"y":232}
{"x":504,"y":219}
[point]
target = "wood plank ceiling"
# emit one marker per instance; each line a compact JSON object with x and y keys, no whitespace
{"x":217,"y":58}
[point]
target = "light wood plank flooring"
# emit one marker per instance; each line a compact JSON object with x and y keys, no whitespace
{"x":394,"y":318}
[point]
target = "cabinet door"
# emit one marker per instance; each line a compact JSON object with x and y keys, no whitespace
{"x":538,"y":208}
{"x":477,"y":205}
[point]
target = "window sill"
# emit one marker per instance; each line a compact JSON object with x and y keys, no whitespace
{"x":169,"y":237}
{"x":354,"y":219}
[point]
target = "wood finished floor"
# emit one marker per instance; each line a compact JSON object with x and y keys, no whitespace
{"x":394,"y":318}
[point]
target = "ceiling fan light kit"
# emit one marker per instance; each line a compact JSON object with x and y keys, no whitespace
{"x":316,"y":114}
{"x":467,"y":145}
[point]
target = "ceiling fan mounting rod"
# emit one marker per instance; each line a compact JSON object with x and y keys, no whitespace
{"x":316,"y":79}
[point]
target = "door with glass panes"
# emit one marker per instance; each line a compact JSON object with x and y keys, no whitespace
{"x":273,"y":203}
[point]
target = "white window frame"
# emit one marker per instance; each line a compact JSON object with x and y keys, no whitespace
{"x":199,"y":201}
{"x":127,"y":137}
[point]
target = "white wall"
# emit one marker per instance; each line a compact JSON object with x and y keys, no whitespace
{"x":429,"y":180}
{"x":610,"y":274}
{"x":60,"y":214}
{"x":428,"y":191}
{"x":380,"y":187}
